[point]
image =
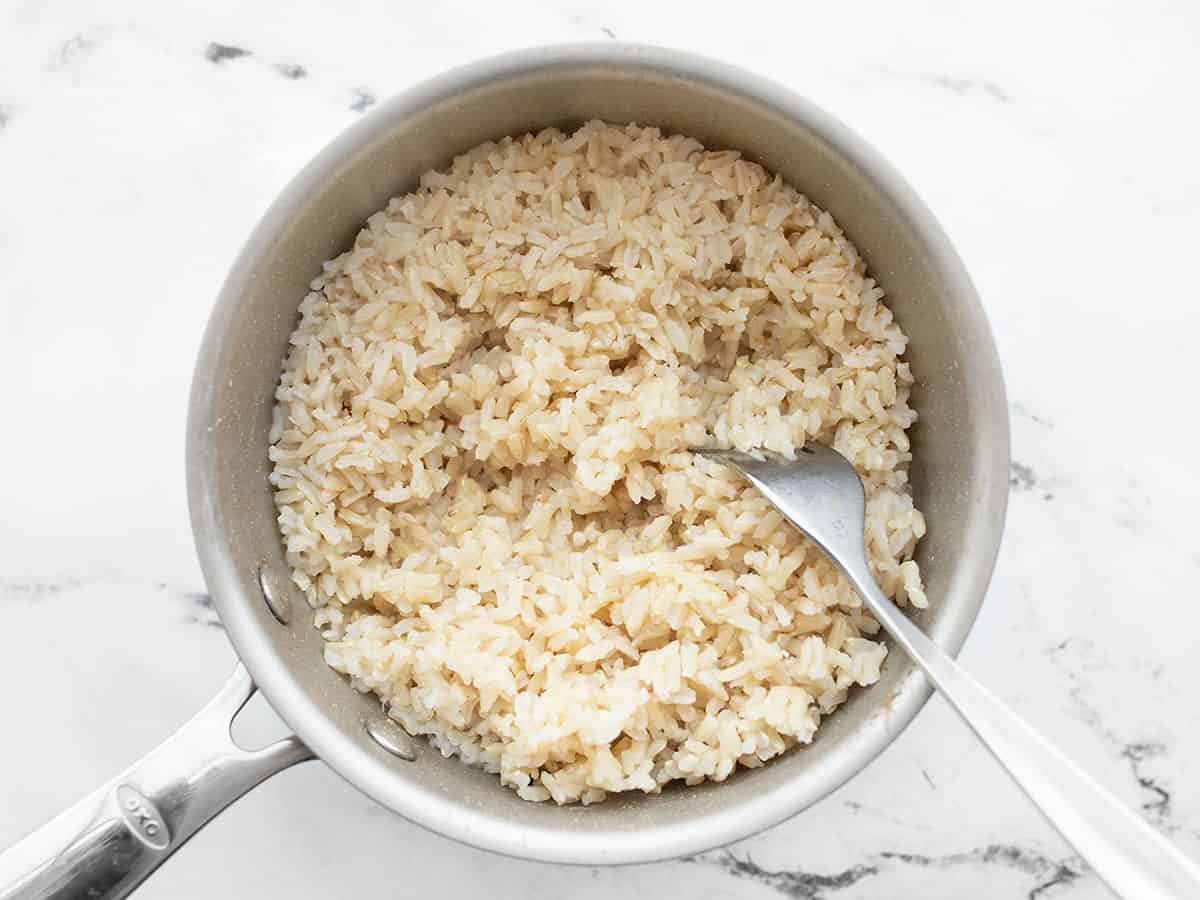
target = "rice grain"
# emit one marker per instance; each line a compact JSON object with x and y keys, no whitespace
{"x":480,"y":459}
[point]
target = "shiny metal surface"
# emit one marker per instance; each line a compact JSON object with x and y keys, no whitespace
{"x":391,"y":737}
{"x":960,"y":470}
{"x":110,"y":841}
{"x":820,"y":493}
{"x":278,"y":600}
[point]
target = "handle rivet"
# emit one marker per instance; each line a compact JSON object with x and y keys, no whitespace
{"x":276,"y":598}
{"x":391,"y":737}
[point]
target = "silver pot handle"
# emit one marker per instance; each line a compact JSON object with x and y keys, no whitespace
{"x":110,"y":841}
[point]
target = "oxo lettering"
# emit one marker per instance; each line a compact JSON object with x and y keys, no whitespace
{"x":142,"y":817}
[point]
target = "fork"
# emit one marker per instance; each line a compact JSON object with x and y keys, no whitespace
{"x":821,"y":494}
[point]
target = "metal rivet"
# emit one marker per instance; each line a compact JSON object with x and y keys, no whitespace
{"x":277,"y":600}
{"x":391,"y":737}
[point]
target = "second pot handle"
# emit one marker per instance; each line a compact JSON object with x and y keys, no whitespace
{"x":110,"y":841}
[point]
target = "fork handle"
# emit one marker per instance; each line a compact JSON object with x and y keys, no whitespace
{"x":1134,"y":860}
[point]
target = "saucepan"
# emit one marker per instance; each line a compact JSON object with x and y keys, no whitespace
{"x":110,"y":841}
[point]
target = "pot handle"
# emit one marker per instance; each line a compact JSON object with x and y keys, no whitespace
{"x":110,"y":841}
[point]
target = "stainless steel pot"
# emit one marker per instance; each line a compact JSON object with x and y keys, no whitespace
{"x":107,"y":844}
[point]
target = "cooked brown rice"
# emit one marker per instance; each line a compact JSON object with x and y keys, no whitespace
{"x":482,"y":472}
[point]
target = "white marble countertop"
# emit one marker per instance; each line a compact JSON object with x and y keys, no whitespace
{"x":139,"y":142}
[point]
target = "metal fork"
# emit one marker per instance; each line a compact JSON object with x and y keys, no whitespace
{"x":821,"y":494}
